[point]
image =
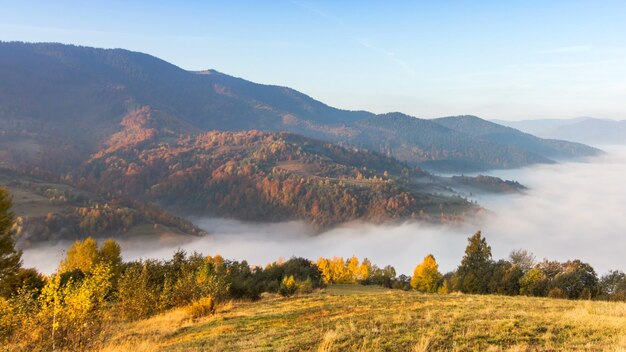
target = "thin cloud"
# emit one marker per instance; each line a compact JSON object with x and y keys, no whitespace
{"x":565,"y":49}
{"x":391,"y":56}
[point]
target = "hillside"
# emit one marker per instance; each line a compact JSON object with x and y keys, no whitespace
{"x":490,"y":184}
{"x":357,"y":318}
{"x":269,"y":176}
{"x":434,"y":146}
{"x":47,"y":212}
{"x":511,"y":137}
{"x":60,"y":103}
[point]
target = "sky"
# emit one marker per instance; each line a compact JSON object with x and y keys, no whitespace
{"x":507,"y":60}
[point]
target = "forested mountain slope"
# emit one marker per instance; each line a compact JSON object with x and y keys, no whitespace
{"x":511,"y":137}
{"x":256,"y":175}
{"x":60,"y":103}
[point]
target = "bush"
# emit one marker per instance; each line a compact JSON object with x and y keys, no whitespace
{"x":613,"y":286}
{"x":305,"y":286}
{"x":445,"y":287}
{"x":201,"y":308}
{"x":533,"y":283}
{"x":288,"y":286}
{"x":136,"y":296}
{"x":556,"y":292}
{"x":73,"y":314}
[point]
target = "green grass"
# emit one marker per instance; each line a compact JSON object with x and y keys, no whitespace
{"x":357,"y":318}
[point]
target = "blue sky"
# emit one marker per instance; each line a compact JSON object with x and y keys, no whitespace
{"x":496,"y":59}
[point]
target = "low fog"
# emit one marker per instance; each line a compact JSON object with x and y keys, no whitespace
{"x":571,"y":210}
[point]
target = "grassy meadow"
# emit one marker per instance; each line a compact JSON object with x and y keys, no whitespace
{"x":369,"y":318}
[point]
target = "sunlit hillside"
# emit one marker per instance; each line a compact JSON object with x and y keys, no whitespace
{"x":360,"y":318}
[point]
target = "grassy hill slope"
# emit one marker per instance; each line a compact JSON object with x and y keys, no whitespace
{"x":363,"y":318}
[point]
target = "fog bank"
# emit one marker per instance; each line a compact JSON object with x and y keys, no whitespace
{"x":571,"y":210}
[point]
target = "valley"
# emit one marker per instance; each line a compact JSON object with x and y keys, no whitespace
{"x":232,"y":148}
{"x":312,"y":176}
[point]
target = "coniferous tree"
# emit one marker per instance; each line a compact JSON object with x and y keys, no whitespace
{"x":474,"y":273}
{"x":10,"y":257}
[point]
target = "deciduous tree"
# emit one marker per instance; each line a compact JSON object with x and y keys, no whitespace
{"x":426,"y":275}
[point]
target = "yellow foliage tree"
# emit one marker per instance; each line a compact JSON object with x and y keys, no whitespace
{"x":81,"y":255}
{"x":353,"y":269}
{"x":110,"y":253}
{"x":323,"y":265}
{"x":288,"y":286}
{"x":73,"y":313}
{"x":340,"y":272}
{"x":365,"y":269}
{"x":335,"y":271}
{"x":84,"y":255}
{"x":426,"y":275}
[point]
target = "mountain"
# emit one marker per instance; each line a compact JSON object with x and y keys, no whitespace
{"x":538,"y":127}
{"x":511,"y":137}
{"x":584,"y":129}
{"x":269,"y":176}
{"x":59,"y":104}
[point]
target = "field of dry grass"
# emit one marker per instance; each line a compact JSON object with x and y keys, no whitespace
{"x":357,"y":318}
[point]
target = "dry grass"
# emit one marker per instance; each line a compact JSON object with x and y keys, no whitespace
{"x":356,"y":318}
{"x":146,"y":335}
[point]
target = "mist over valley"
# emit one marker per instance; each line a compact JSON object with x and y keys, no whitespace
{"x":312,"y":176}
{"x":570,"y":210}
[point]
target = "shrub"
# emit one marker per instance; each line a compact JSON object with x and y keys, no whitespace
{"x":444,"y":289}
{"x":305,"y":286}
{"x":73,"y":314}
{"x":288,"y":286}
{"x":533,"y":283}
{"x":613,"y":286}
{"x":556,"y":292}
{"x":136,"y":296}
{"x":202,"y":307}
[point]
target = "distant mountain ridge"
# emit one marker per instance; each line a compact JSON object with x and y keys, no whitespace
{"x":583,"y":129}
{"x":496,"y":133}
{"x":61,"y":103}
